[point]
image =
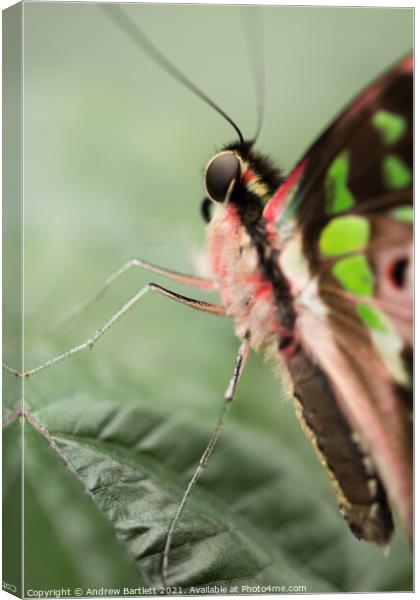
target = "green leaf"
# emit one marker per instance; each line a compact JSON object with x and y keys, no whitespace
{"x":58,"y":511}
{"x":258,"y":517}
{"x":124,"y":457}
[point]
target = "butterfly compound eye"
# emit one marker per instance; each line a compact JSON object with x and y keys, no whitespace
{"x":222,"y":172}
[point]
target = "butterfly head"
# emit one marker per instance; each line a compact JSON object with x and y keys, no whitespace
{"x":237,"y":174}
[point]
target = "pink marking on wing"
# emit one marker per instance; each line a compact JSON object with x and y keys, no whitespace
{"x":407,"y":65}
{"x":275,"y":205}
{"x":368,"y":97}
{"x":372,"y":93}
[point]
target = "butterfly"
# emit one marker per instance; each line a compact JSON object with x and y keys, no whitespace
{"x":316,"y":271}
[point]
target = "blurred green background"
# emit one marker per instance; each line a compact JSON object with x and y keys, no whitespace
{"x":114,"y":154}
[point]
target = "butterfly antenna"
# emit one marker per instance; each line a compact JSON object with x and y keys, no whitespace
{"x":253,"y":29}
{"x":134,"y":32}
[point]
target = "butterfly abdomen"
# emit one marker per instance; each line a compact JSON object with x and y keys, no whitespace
{"x":360,"y":494}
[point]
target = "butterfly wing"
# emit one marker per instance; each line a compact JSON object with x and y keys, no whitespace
{"x":343,"y":225}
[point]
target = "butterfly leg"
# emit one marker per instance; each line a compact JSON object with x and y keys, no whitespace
{"x":228,"y":398}
{"x":103,"y":287}
{"x":200,"y":305}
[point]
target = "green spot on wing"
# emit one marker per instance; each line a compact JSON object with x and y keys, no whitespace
{"x":404,"y":213}
{"x":396,"y":173}
{"x":354,"y":274}
{"x":373,"y":318}
{"x":343,"y":235}
{"x":391,"y":126}
{"x":338,"y":195}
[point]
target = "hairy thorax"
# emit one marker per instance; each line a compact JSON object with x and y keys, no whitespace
{"x":246,"y":294}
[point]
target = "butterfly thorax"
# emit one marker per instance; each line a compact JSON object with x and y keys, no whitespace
{"x":253,"y":289}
